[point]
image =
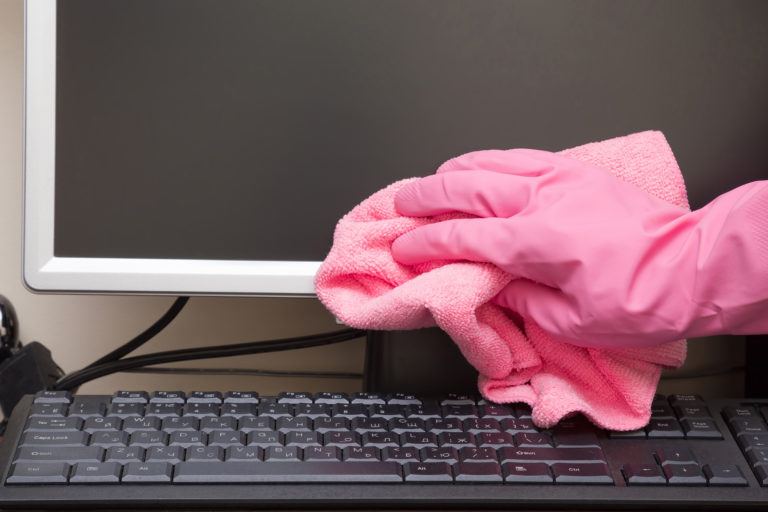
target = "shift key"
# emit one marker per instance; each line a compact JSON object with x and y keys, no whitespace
{"x":550,"y":455}
{"x":69,"y":454}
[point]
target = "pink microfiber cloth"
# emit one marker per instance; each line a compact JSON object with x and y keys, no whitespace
{"x":366,"y":288}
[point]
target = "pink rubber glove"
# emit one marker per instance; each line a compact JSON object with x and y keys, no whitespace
{"x":601,"y":262}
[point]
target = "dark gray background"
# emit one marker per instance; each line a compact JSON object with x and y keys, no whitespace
{"x":234,"y":129}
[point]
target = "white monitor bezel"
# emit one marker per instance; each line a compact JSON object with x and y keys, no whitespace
{"x":45,"y":272}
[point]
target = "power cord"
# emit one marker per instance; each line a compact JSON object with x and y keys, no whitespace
{"x":74,"y":380}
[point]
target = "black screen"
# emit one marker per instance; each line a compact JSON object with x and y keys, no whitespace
{"x":243,"y":129}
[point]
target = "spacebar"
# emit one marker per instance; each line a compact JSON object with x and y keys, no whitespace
{"x":286,"y":472}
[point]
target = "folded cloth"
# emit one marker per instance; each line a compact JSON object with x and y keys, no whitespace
{"x":364,"y":287}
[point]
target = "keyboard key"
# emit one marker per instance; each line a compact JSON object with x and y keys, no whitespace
{"x":187,"y":424}
{"x":302,"y":439}
{"x":748,"y":426}
{"x":146,"y":472}
{"x":203,"y":453}
{"x":442,"y":454}
{"x":478,"y":455}
{"x":724,"y":475}
{"x":322,"y":453}
{"x":125,"y":454}
{"x":402,"y":425}
{"x":260,"y":424}
{"x":147,"y":438}
{"x":677,"y":455}
{"x":281,"y":454}
{"x":427,"y":472}
{"x":96,"y":472}
{"x":136,"y":424}
{"x":551,"y":455}
{"x":477,"y":472}
{"x":423,"y":412}
{"x":750,"y":441}
{"x":403,"y":399}
{"x":48,"y":410}
{"x":53,"y":397}
{"x":163,"y":410}
{"x":312,"y":411}
{"x":478,"y":425}
{"x":331,"y":398}
{"x":527,"y":439}
{"x":515,"y":425}
{"x":363,"y":425}
{"x":357,"y":454}
{"x":349,"y":411}
{"x":419,"y":439}
{"x":244,"y":453}
{"x":55,"y":438}
{"x":440,"y":425}
{"x":241,"y":397}
{"x":226,"y":438}
{"x":172,"y":454}
{"x":202,"y":409}
{"x":494,"y":440}
{"x":98,"y":424}
{"x":574,"y":473}
{"x":292,"y":397}
{"x":461,"y":412}
{"x":54,"y":424}
{"x":700,"y":428}
{"x":627,"y":434}
{"x":38,"y":473}
{"x":664,"y":429}
{"x":125,"y":410}
{"x":684,"y":474}
{"x":761,"y":473}
{"x":686,"y":400}
{"x":743,"y":412}
{"x":368,"y":399}
{"x":168,"y":397}
{"x":758,"y":456}
{"x":286,"y":425}
{"x":458,"y":399}
{"x":295,"y":472}
{"x":386,"y":412}
{"x":692,"y":411}
{"x":456,"y":439}
{"x":661,"y":411}
{"x":401,"y":455}
{"x":323,"y":425}
{"x":381,"y":439}
{"x":68,"y":454}
{"x":643,"y":474}
{"x":495,"y":411}
{"x":89,"y":409}
{"x":204,"y":397}
{"x":211,"y":423}
{"x":107,"y":438}
{"x":527,"y":473}
{"x":264,"y":439}
{"x":130,"y":397}
{"x":238,"y":410}
{"x":341,"y":439}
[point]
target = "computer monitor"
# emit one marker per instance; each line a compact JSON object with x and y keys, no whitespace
{"x":209,"y":147}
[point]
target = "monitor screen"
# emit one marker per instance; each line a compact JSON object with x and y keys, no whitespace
{"x":202,"y":146}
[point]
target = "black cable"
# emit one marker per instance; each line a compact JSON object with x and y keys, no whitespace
{"x":145,"y":336}
{"x":76,"y":379}
{"x":252,"y":372}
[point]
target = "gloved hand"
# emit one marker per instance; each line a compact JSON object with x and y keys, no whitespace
{"x":599,"y":261}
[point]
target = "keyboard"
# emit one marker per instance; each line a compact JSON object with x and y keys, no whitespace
{"x":237,"y":449}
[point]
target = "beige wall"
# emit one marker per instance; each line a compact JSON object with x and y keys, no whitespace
{"x":78,"y":329}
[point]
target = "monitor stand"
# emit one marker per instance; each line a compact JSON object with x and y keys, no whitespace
{"x":425,"y":362}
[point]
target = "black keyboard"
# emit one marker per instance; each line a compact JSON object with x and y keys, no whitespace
{"x":211,"y":449}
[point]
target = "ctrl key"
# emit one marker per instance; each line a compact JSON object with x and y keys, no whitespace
{"x":38,"y":473}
